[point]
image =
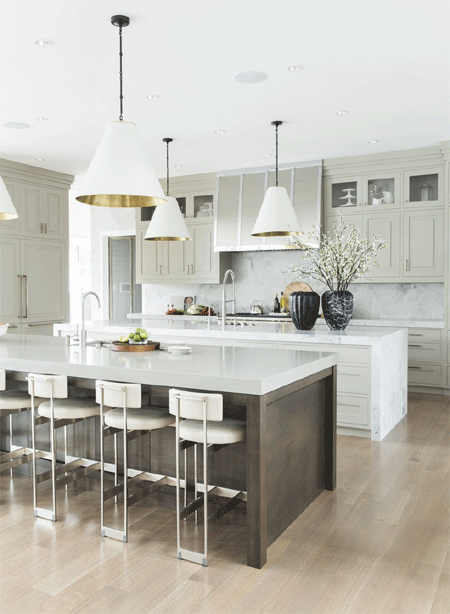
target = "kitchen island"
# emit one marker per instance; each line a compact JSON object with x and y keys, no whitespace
{"x":372,"y":366}
{"x":288,"y":400}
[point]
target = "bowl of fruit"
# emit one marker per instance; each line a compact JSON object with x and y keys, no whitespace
{"x":138,"y":336}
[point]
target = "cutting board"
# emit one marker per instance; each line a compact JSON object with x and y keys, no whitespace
{"x":295,"y":286}
{"x":150,"y":346}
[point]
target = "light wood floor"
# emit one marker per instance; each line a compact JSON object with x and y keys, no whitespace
{"x":379,"y":544}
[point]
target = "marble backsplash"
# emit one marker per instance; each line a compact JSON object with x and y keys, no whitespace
{"x":261,"y":275}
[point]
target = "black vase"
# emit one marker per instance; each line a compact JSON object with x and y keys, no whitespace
{"x":337,"y":307}
{"x":304,"y":308}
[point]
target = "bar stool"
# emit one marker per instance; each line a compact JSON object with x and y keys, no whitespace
{"x":13,"y":402}
{"x":203,"y":423}
{"x":134,"y":421}
{"x":59,"y":411}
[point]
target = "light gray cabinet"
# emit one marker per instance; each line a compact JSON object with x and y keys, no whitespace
{"x":188,"y":262}
{"x":423,"y":239}
{"x":424,"y":187}
{"x":240,"y":196}
{"x":10,"y":292}
{"x":42,"y":212}
{"x":388,"y":226}
{"x":377,"y":190}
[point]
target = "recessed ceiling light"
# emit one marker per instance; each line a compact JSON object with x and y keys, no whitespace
{"x":373,"y":142}
{"x":16,"y":125}
{"x":267,"y":155}
{"x":40,"y":159}
{"x":42,"y":119}
{"x":219,"y":131}
{"x":152,"y":97}
{"x":342,"y":112}
{"x":250,"y":77}
{"x":295,"y":68}
{"x":178,"y":166}
{"x":43,"y":42}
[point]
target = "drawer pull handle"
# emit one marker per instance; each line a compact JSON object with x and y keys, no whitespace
{"x":413,"y":367}
{"x":415,"y":334}
{"x":411,"y":345}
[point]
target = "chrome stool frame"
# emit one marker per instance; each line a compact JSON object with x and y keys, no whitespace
{"x":44,"y":386}
{"x":215,"y":414}
{"x":110,"y":392}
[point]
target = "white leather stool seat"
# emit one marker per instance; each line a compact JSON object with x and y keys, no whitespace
{"x":140,"y":419}
{"x":71,"y":408}
{"x":16,"y":399}
{"x":226,"y":431}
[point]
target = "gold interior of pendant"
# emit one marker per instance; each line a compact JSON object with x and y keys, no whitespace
{"x":279,"y":233}
{"x":8,"y":216}
{"x":120,"y":200}
{"x":167,"y":239}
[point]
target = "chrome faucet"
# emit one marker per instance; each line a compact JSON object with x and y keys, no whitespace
{"x":224,"y":297}
{"x":83,"y":328}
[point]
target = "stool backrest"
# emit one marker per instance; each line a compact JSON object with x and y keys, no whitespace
{"x":191,"y":405}
{"x":113,"y":394}
{"x":2,"y":379}
{"x":46,"y":385}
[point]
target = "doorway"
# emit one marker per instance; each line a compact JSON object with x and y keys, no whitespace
{"x":125,"y":296}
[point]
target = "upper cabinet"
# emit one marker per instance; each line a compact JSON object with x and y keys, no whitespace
{"x":43,"y":212}
{"x":11,"y":228}
{"x":240,"y":196}
{"x":374,"y":191}
{"x":195,"y":205}
{"x":424,"y":188}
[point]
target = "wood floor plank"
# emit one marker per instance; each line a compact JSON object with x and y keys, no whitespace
{"x":378,"y":544}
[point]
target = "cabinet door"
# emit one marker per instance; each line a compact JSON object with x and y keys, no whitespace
{"x":205,"y":261}
{"x":10,"y":228}
{"x":354,"y":221}
{"x":10,"y":288}
{"x":345,"y":193}
{"x":423,"y":235}
{"x":53,"y":213}
{"x":381,"y":191}
{"x":44,"y":263}
{"x":388,"y":226}
{"x":151,"y":259}
{"x":178,"y":260}
{"x":31,"y":217}
{"x":424,"y":188}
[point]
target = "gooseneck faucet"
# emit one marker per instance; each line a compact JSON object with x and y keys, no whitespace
{"x":83,"y":328}
{"x":230,"y":273}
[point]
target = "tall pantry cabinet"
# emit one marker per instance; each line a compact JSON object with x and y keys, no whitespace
{"x":34,"y":267}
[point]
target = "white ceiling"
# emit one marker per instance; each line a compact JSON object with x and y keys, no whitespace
{"x":385,"y":61}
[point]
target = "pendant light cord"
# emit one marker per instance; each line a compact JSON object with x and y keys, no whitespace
{"x":167,"y":167}
{"x":120,"y":74}
{"x":276,"y":155}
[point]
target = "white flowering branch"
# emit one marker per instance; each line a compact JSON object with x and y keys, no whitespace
{"x":340,"y":259}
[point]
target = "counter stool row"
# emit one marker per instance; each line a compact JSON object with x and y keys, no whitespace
{"x":198,"y":418}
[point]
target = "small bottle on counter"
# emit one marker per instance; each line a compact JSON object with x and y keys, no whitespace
{"x":282,"y":306}
{"x":276,"y":304}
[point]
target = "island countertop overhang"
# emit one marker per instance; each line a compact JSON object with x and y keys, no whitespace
{"x":218,"y":367}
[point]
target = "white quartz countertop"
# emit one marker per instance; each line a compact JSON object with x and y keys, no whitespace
{"x":218,"y":367}
{"x":260,"y":331}
{"x":395,"y":322}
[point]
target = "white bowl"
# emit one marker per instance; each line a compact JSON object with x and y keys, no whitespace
{"x":3,"y":329}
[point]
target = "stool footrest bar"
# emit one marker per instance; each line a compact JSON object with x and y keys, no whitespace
{"x":114,"y":534}
{"x":194,"y":557}
{"x":40,"y":512}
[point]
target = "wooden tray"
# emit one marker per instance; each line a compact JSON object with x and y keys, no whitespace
{"x":150,"y":346}
{"x":295,"y":286}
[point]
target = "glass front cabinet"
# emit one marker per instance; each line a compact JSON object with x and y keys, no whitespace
{"x":423,"y":188}
{"x":374,"y":192}
{"x":196,"y":205}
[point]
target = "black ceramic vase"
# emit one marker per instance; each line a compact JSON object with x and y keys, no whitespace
{"x":304,"y":309}
{"x":337,"y":307}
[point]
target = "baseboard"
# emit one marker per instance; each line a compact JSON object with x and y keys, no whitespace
{"x":428,"y":390}
{"x":345,"y":430}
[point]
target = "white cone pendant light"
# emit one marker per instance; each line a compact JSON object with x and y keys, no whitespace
{"x":167,"y":223}
{"x":277,"y":217}
{"x":120,"y":174}
{"x":7,"y":209}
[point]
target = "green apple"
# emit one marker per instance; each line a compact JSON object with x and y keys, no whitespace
{"x":130,"y":335}
{"x":136,"y":338}
{"x":143,"y":334}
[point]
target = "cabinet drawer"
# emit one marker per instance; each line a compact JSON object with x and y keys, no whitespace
{"x":424,"y":375}
{"x":423,"y":351}
{"x":350,"y":355}
{"x":424,"y":334}
{"x":355,"y":380}
{"x":353,"y":411}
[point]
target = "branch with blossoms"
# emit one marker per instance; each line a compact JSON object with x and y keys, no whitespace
{"x":340,"y":258}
